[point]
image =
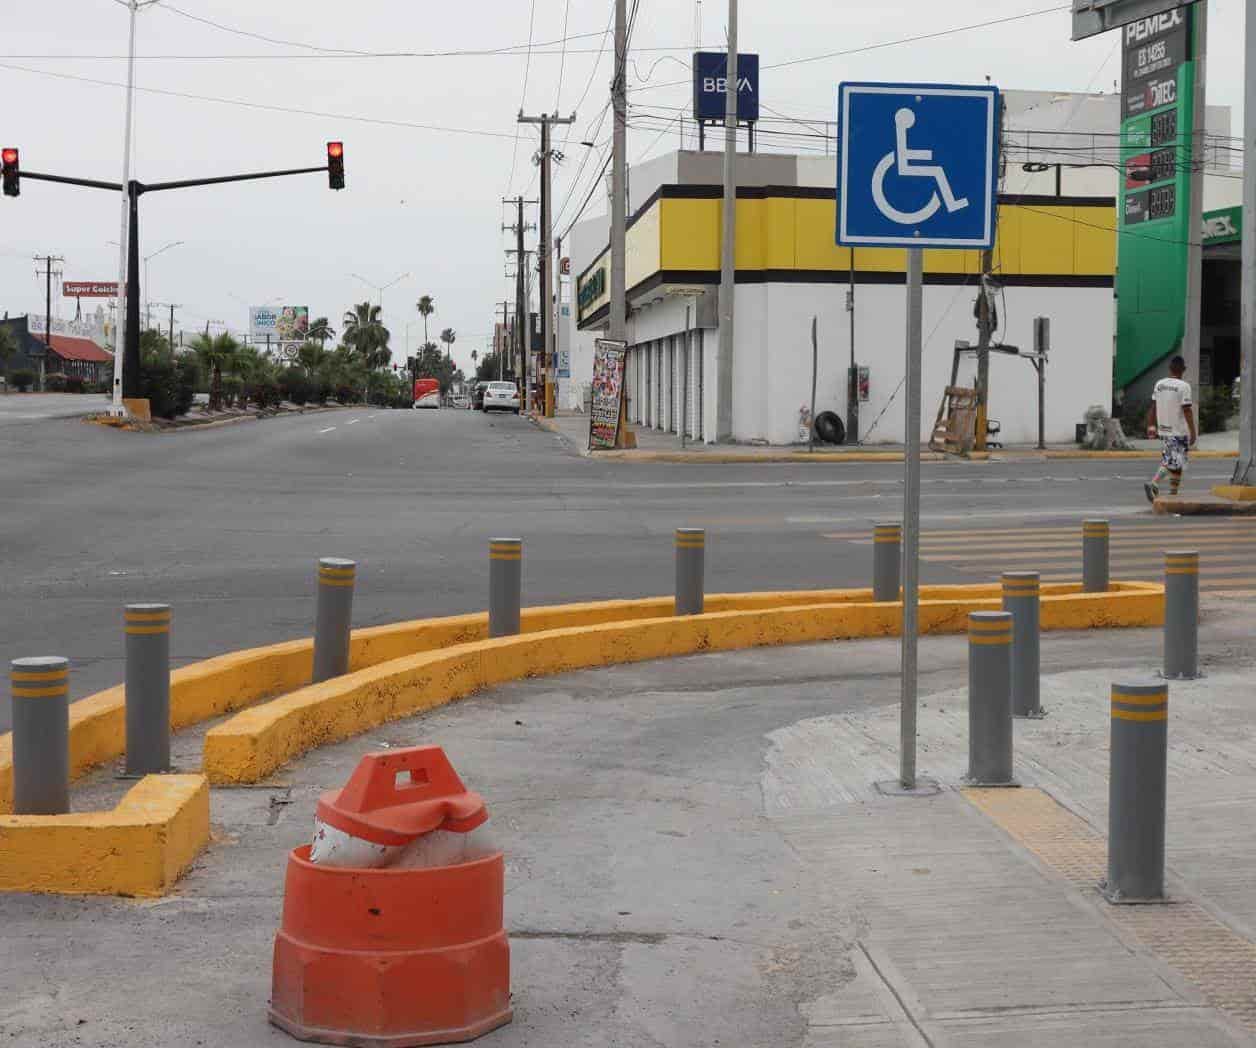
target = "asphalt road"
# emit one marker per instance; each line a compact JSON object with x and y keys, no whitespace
{"x":227,"y":523}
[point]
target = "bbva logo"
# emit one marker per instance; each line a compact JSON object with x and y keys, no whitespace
{"x":719,"y":84}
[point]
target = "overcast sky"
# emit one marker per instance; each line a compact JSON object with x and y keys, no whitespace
{"x":421,"y":198}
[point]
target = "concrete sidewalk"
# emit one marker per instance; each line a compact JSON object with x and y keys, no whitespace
{"x":697,"y":856}
{"x":659,"y":446}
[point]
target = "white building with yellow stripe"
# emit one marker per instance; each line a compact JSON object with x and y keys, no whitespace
{"x":1055,"y":257}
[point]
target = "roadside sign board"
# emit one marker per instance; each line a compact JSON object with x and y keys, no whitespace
{"x":917,"y":165}
{"x":609,"y":357}
{"x":1092,"y":17}
{"x":89,"y":289}
{"x":710,"y":86}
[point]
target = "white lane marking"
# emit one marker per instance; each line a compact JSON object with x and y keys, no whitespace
{"x":327,"y":430}
{"x":353,"y":422}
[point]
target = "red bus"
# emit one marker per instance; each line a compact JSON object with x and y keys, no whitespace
{"x":426,"y":393}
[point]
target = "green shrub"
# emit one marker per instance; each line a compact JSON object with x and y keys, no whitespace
{"x":169,"y":386}
{"x":1215,"y":409}
{"x":54,"y":383}
{"x":294,"y":386}
{"x":74,"y":384}
{"x":266,"y":394}
{"x":1133,"y":416}
{"x":346,"y":394}
{"x":22,"y":380}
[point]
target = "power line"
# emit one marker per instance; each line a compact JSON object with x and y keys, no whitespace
{"x":527,"y":69}
{"x":265,"y":106}
{"x":863,"y":49}
{"x":562,"y":64}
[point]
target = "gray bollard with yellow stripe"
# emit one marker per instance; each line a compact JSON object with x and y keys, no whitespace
{"x":1137,"y":793}
{"x":887,"y":562}
{"x":990,"y":699}
{"x":147,"y":688}
{"x":1022,"y":597}
{"x":505,"y":586}
{"x":334,"y":617}
{"x":1181,"y":614}
{"x":690,"y":570}
{"x":41,"y":735}
{"x":1095,"y":546}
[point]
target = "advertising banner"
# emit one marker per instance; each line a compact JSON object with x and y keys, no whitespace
{"x":89,"y":289}
{"x":279,"y":323}
{"x":608,"y":392}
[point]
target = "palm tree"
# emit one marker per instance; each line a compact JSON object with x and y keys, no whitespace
{"x":320,"y":331}
{"x":449,"y":337}
{"x":367,"y":336}
{"x":215,"y":353}
{"x":426,"y":307}
{"x":311,"y":355}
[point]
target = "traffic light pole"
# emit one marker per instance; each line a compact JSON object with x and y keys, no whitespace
{"x":130,"y":377}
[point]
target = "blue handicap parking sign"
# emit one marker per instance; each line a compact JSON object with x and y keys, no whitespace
{"x":917,"y":165}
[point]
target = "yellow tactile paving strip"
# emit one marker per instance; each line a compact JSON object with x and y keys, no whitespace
{"x":1211,"y":956}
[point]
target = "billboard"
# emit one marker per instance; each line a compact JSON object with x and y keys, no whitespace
{"x":710,"y":81}
{"x":279,"y":323}
{"x":89,"y":289}
{"x":1155,"y":49}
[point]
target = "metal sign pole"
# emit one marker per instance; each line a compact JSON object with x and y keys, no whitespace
{"x":911,"y":520}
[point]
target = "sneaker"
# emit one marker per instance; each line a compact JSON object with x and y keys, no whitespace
{"x":1152,"y":491}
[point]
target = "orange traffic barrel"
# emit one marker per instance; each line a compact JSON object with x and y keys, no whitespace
{"x":394,"y":956}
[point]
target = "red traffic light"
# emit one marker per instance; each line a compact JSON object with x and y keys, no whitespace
{"x":11,"y":173}
{"x":336,"y":165}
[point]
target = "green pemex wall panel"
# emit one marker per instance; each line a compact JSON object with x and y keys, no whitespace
{"x":1154,"y":219}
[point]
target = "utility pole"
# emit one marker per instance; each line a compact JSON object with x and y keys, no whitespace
{"x":558,"y":314}
{"x":521,"y":306}
{"x":48,"y":261}
{"x":547,"y":156}
{"x":1197,"y":159}
{"x":619,"y":169}
{"x":728,"y":247}
{"x":504,"y":345}
{"x":985,"y":330}
{"x":1244,"y":473}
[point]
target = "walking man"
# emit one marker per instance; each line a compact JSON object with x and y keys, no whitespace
{"x":1173,"y":418}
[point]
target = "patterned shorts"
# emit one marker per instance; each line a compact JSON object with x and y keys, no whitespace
{"x":1176,"y":450}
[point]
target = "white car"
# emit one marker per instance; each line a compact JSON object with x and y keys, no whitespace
{"x":501,"y":396}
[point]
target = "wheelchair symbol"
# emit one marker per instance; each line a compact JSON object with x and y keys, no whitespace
{"x":907,"y":164}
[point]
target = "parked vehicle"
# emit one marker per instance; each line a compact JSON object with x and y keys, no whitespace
{"x":426,"y":393}
{"x":460,"y":400}
{"x":477,"y":396}
{"x":501,"y":396}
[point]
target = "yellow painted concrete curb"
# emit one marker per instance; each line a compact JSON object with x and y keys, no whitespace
{"x":139,"y":848}
{"x":256,"y":742}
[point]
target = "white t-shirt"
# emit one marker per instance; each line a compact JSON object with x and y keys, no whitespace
{"x":1171,"y":396}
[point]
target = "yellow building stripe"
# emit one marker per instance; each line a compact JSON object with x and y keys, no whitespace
{"x":41,"y":693}
{"x":138,"y":630}
{"x":40,"y":675}
{"x":338,"y":573}
{"x":990,"y":639}
{"x":988,"y":626}
{"x":1131,"y":715}
{"x":340,"y":583}
{"x":147,"y":616}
